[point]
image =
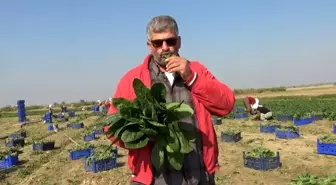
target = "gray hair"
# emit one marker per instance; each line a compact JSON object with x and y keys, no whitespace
{"x":161,"y":23}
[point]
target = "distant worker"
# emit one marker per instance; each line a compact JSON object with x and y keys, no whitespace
{"x":251,"y":104}
{"x":99,"y":106}
{"x":108,"y":103}
{"x":51,"y":109}
{"x":64,"y":109}
{"x":263,"y":113}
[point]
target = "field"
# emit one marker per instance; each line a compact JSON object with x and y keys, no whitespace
{"x":298,"y":156}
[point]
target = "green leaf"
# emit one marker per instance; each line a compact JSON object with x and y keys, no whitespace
{"x":140,"y":143}
{"x":140,"y":90}
{"x":154,"y":123}
{"x":173,"y":105}
{"x":149,"y":131}
{"x":157,"y":155}
{"x":116,"y":126}
{"x":131,"y":135}
{"x":154,"y":113}
{"x":178,"y":111}
{"x":130,"y":113}
{"x":172,"y":140}
{"x":113,"y":118}
{"x":184,"y":143}
{"x":119,"y":131}
{"x":121,"y":102}
{"x":176,"y":160}
{"x":158,"y":91}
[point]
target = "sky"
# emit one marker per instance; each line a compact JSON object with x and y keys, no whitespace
{"x":68,"y":50}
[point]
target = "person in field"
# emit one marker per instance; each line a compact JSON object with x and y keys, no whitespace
{"x":64,"y":109}
{"x":253,"y":107}
{"x":263,"y":113}
{"x":251,"y":104}
{"x":188,"y":81}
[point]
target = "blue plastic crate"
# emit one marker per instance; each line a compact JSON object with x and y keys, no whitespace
{"x":60,"y":116}
{"x":76,"y":125}
{"x":317,"y":117}
{"x":268,"y":128}
{"x":216,"y":121}
{"x":96,"y":109}
{"x":231,"y":138}
{"x":240,"y":116}
{"x":284,"y":118}
{"x":15,"y":142}
{"x":78,"y":154}
{"x":326,"y":148}
{"x":89,"y":137}
{"x":239,"y":109}
{"x":98,"y":166}
{"x":9,"y":161}
{"x":287,"y":134}
{"x":99,"y":131}
{"x":18,"y":135}
{"x":43,"y":146}
{"x":262,"y":163}
{"x":305,"y":121}
{"x":72,"y":114}
{"x":51,"y":127}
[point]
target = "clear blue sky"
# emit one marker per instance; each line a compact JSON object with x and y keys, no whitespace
{"x":67,"y":50}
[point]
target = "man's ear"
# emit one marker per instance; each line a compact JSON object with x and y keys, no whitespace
{"x":149,"y":45}
{"x":179,"y":42}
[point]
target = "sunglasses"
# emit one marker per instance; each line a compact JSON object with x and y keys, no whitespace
{"x":158,"y":43}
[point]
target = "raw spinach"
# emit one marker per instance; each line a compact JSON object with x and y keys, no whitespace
{"x":150,"y":118}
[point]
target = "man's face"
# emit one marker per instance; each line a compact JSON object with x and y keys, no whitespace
{"x":163,"y":43}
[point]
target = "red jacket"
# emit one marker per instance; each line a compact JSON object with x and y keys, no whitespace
{"x":210,"y":97}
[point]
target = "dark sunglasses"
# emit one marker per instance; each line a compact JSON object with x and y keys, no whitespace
{"x":158,"y":43}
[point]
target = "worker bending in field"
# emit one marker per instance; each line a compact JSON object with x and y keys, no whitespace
{"x":251,"y":104}
{"x":263,"y":113}
{"x":253,"y":107}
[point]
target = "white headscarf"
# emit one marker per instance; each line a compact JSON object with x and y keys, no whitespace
{"x":256,"y":104}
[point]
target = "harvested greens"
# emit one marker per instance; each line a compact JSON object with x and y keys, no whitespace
{"x":150,"y":118}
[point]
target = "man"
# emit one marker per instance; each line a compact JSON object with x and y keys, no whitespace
{"x":251,"y":104}
{"x":263,"y":113}
{"x":185,"y":81}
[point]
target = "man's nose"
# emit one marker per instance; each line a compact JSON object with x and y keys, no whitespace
{"x":165,"y":46}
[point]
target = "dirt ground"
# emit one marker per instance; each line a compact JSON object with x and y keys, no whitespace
{"x":55,"y":168}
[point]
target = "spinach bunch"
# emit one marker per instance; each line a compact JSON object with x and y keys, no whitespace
{"x":150,"y":118}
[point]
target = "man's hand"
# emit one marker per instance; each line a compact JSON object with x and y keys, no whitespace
{"x":179,"y":65}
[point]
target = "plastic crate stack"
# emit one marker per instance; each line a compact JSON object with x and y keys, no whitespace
{"x":21,"y":111}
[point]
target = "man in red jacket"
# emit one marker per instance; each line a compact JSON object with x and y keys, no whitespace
{"x":187,"y":81}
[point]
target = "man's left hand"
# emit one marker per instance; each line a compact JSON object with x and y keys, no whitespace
{"x":179,"y":65}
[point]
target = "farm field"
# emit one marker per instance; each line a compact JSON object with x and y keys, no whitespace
{"x":298,"y":156}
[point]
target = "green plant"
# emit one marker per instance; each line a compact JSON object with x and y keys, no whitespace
{"x":231,"y":131}
{"x":291,"y":128}
{"x":306,"y":179}
{"x":82,"y":146}
{"x":330,"y":180}
{"x":328,"y":138}
{"x":150,"y":117}
{"x":273,"y":123}
{"x":260,"y":151}
{"x":87,"y":132}
{"x":4,"y":153}
{"x":101,"y":153}
{"x":43,"y":142}
{"x":302,"y":115}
